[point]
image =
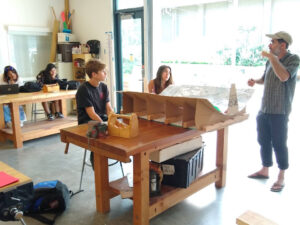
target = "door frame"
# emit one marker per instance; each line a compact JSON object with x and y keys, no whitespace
{"x":136,"y":13}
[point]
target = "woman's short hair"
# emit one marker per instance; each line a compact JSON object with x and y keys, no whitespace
{"x":94,"y":65}
{"x":6,"y":70}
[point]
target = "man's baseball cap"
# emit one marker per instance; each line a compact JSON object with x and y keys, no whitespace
{"x":281,"y":35}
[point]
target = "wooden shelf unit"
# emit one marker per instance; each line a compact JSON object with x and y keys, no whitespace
{"x":79,"y":61}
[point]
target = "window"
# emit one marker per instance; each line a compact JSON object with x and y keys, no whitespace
{"x":219,"y":42}
{"x":125,"y":4}
{"x":29,"y":50}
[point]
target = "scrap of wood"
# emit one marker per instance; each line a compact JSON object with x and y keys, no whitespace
{"x":155,"y":116}
{"x":173,"y":119}
{"x":189,"y":123}
{"x":252,"y":218}
{"x":224,"y":124}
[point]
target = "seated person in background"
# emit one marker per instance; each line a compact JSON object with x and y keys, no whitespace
{"x":92,"y":97}
{"x":49,"y":76}
{"x":11,"y":76}
{"x":163,"y":80}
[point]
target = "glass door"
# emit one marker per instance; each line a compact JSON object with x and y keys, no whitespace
{"x":129,"y":51}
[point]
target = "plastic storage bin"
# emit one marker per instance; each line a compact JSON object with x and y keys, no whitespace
{"x":65,"y":50}
{"x":186,"y":168}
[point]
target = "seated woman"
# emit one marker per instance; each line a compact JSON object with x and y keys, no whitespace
{"x":163,"y":79}
{"x":51,"y":77}
{"x":11,"y":76}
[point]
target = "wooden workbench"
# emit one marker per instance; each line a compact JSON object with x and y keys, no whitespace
{"x":23,"y":179}
{"x":153,"y":136}
{"x":37,"y":129}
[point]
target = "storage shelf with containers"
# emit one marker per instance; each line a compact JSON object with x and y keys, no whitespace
{"x":79,"y":62}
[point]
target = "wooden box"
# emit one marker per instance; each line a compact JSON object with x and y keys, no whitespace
{"x":51,"y":88}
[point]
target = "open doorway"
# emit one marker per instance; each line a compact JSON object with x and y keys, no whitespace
{"x":129,"y":50}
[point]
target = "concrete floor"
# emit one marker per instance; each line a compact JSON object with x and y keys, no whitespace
{"x":44,"y":159}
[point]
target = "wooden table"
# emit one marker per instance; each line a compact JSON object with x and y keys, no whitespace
{"x":23,"y":179}
{"x":40,"y":128}
{"x":153,"y":136}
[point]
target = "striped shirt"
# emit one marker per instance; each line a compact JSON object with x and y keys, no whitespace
{"x":278,"y":95}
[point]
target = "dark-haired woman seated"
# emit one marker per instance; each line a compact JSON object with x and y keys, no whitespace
{"x":11,"y":76}
{"x":163,"y":80}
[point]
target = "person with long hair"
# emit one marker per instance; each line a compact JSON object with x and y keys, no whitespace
{"x":163,"y":80}
{"x":11,"y":76}
{"x":51,"y":77}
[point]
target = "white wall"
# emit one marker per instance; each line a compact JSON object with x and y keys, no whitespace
{"x":29,"y":13}
{"x":91,"y":20}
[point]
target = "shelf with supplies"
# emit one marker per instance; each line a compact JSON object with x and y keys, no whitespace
{"x":79,"y":62}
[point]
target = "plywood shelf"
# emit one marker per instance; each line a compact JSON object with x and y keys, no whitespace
{"x":41,"y":128}
{"x":187,"y":112}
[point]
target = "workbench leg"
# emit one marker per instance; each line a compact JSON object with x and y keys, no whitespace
{"x":16,"y":128}
{"x":141,"y":189}
{"x":63,"y":107}
{"x":221,"y":159}
{"x":2,"y":123}
{"x":101,"y":183}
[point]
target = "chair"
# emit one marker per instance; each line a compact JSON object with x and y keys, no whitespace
{"x":35,"y":111}
{"x":84,"y":162}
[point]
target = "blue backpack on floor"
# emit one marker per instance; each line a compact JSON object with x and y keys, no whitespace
{"x":49,"y":197}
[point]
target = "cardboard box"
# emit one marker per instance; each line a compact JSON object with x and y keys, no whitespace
{"x":66,"y":37}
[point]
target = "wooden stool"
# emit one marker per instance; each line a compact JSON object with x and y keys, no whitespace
{"x":252,"y":218}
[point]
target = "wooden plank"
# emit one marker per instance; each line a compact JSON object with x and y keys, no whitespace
{"x":86,"y":146}
{"x":152,"y":137}
{"x":121,"y":187}
{"x":39,"y":129}
{"x":221,"y":159}
{"x":252,"y":218}
{"x":141,"y":189}
{"x":102,"y":188}
{"x":127,"y":103}
{"x":226,"y":123}
{"x":2,"y":123}
{"x":188,"y":114}
{"x":23,"y":179}
{"x":173,"y":119}
{"x":67,"y":10}
{"x":155,"y":107}
{"x":24,"y":98}
{"x":199,"y":110}
{"x":55,"y":30}
{"x":189,"y":123}
{"x":176,"y":195}
{"x":140,"y":105}
{"x":16,"y":127}
{"x":63,"y":107}
{"x":155,"y":116}
{"x":141,"y":113}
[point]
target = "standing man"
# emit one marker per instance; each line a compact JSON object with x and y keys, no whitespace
{"x":92,"y":97}
{"x":279,"y":81}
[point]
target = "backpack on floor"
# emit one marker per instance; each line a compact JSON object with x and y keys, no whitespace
{"x":49,"y":197}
